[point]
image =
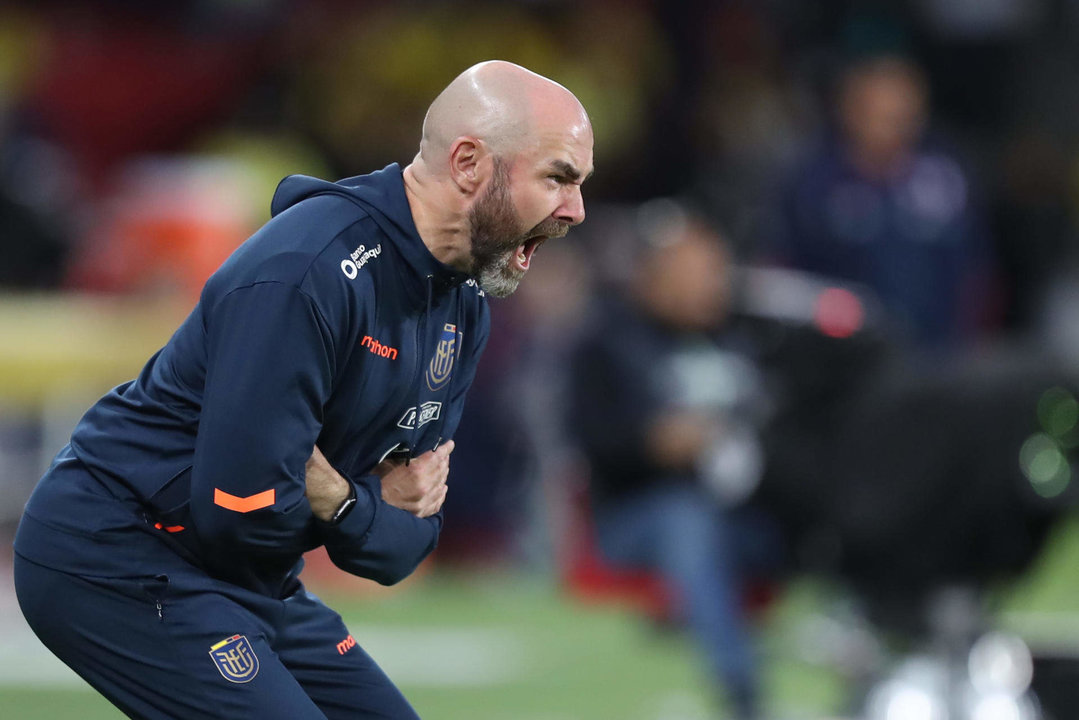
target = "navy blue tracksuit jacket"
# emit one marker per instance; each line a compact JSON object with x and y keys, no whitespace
{"x":333,"y":325}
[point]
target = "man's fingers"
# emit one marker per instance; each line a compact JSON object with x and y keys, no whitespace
{"x":419,"y":487}
{"x":444,"y":450}
{"x":429,"y":503}
{"x":436,"y":504}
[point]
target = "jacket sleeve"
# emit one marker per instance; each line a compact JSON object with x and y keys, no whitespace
{"x":388,"y":544}
{"x":377,"y":540}
{"x":269,"y":371}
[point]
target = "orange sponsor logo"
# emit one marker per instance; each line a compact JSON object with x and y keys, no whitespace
{"x":345,"y":645}
{"x":378,"y":348}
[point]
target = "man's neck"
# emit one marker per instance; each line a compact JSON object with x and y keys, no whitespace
{"x":443,"y":229}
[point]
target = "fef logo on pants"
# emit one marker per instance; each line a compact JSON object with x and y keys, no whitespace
{"x":235,"y":659}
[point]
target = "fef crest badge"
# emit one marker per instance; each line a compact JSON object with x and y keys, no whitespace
{"x":441,"y":365}
{"x":235,"y":659}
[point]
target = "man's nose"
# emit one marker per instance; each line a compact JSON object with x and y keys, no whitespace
{"x":572,"y":210}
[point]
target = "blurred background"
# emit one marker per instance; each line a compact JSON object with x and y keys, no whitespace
{"x":786,"y":429}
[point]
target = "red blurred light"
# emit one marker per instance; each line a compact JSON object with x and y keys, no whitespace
{"x":839,"y":313}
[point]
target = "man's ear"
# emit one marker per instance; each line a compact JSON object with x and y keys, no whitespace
{"x":470,"y":161}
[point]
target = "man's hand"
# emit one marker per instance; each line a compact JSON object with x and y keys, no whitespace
{"x":420,"y":486}
{"x":676,"y":439}
{"x":326,"y":488}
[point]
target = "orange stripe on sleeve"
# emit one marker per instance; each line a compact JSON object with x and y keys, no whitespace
{"x":257,"y":501}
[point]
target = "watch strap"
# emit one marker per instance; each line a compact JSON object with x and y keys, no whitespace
{"x":346,"y":506}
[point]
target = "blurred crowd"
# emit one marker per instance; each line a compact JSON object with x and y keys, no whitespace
{"x":826,"y":292}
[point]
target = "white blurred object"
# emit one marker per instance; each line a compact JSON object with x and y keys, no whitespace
{"x":733,"y":464}
{"x":916,"y":691}
{"x":1000,"y":706}
{"x":1000,"y":662}
{"x":993,"y":684}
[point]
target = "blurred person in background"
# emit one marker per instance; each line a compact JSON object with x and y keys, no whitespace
{"x":882,"y":204}
{"x":666,"y":408}
{"x":310,"y":399}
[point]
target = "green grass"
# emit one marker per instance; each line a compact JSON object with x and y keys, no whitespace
{"x":55,"y":704}
{"x":576,"y":661}
{"x":547,"y":658}
{"x":516,"y":648}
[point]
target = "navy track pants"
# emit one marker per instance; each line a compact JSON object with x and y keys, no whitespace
{"x":183,"y":645}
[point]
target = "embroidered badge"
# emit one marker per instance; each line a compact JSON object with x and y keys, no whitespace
{"x":441,"y":366}
{"x":235,"y":659}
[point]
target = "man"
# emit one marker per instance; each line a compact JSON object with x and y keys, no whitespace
{"x":309,"y":399}
{"x":666,"y":407}
{"x":884,"y":204}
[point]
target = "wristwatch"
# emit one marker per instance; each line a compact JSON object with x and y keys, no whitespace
{"x":346,"y":506}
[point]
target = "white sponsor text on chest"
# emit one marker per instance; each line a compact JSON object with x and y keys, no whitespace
{"x":351,"y":265}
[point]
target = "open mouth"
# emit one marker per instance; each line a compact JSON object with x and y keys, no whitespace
{"x":525,"y":251}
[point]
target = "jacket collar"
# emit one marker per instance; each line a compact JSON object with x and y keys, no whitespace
{"x":382,"y":195}
{"x":389,"y":208}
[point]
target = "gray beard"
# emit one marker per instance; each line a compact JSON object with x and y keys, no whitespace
{"x":497,"y":277}
{"x":493,"y":220}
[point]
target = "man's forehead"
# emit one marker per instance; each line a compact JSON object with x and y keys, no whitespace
{"x":568,"y":151}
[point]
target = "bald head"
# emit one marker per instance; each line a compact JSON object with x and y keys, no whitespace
{"x":502,"y":104}
{"x":499,"y":172}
